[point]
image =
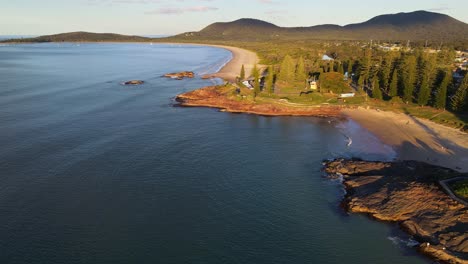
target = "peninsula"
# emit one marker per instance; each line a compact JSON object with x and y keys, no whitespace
{"x":429,"y":149}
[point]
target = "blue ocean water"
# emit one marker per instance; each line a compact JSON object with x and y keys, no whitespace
{"x":95,"y":172}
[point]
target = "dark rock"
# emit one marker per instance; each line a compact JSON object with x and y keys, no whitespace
{"x":134,"y":82}
{"x":180,"y":75}
{"x":408,"y":192}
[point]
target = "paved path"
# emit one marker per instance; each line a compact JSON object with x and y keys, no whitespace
{"x":449,"y":191}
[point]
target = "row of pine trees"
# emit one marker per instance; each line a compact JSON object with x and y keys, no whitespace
{"x":417,"y":77}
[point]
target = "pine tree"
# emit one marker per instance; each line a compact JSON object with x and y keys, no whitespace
{"x":365,"y":64}
{"x":441,"y":95}
{"x":459,"y":101}
{"x":242,"y":73}
{"x":349,"y":68}
{"x":341,"y":68}
{"x":287,"y":70}
{"x":256,"y":76}
{"x":408,"y":77}
{"x":424,"y":92}
{"x":376,"y":92}
{"x":427,"y":68}
{"x":269,"y":85}
{"x":300,"y":71}
{"x":361,"y":83}
{"x":385,"y":72}
{"x":393,"y":87}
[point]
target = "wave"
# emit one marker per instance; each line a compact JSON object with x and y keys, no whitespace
{"x":214,"y":67}
{"x":403,"y":242}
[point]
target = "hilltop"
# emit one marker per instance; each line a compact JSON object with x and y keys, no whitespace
{"x":418,"y":25}
{"x":81,"y":36}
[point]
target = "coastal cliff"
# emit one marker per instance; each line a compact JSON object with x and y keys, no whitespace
{"x":227,"y":100}
{"x":407,"y":192}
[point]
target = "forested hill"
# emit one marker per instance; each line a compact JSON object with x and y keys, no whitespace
{"x":83,"y":37}
{"x":415,"y":26}
{"x":418,"y":25}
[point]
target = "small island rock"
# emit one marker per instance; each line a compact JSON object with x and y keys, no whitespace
{"x":180,"y":75}
{"x":134,"y":82}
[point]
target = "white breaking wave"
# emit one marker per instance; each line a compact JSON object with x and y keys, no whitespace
{"x":403,"y":242}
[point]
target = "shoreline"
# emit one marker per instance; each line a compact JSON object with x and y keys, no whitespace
{"x":414,"y":138}
{"x":411,"y":138}
{"x":407,"y":193}
{"x":228,"y":72}
{"x":232,"y":68}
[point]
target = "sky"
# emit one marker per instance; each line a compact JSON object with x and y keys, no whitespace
{"x":169,"y":17}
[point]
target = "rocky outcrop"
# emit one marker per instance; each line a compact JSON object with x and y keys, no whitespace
{"x":134,"y":82}
{"x":180,"y":75}
{"x":408,"y":192}
{"x":224,"y":99}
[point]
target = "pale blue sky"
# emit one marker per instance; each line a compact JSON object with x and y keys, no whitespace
{"x":152,"y":17}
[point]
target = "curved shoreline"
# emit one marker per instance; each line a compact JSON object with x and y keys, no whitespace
{"x":232,"y":68}
{"x":239,"y":57}
{"x":412,"y":138}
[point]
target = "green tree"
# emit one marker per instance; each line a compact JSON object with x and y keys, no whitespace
{"x":393,"y":87}
{"x":376,"y":92}
{"x":256,"y":76}
{"x":361,"y":83}
{"x":349,"y":68}
{"x":424,"y":93}
{"x":459,"y":100}
{"x":301,"y":71}
{"x":341,"y":68}
{"x":242,"y":73}
{"x":385,"y":72}
{"x":365,"y":64}
{"x":408,"y":77}
{"x":269,"y":85}
{"x":441,"y":95}
{"x":287,"y":70}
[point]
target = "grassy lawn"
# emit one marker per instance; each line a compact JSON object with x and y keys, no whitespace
{"x":460,"y":188}
{"x":294,"y":96}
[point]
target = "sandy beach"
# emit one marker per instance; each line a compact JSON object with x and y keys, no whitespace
{"x":412,"y":138}
{"x":239,"y":57}
{"x":416,"y":139}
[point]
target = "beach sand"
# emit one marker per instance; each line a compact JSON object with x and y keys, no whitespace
{"x":239,"y":57}
{"x":416,"y":139}
{"x":412,"y":138}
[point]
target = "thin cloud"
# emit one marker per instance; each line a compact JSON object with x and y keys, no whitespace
{"x":439,"y":9}
{"x":276,"y":12}
{"x":269,"y":2}
{"x":177,"y":10}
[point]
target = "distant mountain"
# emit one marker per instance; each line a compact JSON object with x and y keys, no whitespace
{"x":418,"y":25}
{"x":84,"y":37}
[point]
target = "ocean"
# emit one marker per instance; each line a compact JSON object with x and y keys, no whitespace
{"x":92,"y":171}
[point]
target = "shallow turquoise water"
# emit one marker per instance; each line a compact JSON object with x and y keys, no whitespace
{"x":95,"y":172}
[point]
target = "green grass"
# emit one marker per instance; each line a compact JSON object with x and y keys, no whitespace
{"x":460,"y":188}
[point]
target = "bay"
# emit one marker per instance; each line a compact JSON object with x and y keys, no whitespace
{"x":92,"y":171}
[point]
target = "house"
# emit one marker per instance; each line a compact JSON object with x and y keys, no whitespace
{"x":247,"y":84}
{"x":347,"y":95}
{"x":313,"y":85}
{"x":327,"y":58}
